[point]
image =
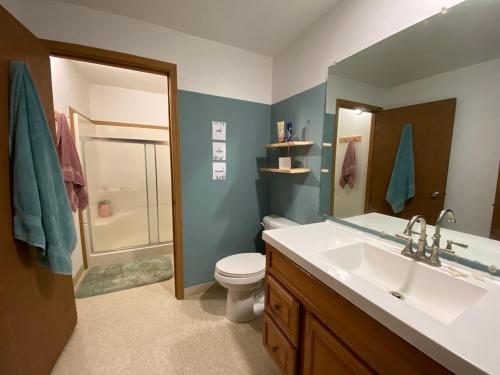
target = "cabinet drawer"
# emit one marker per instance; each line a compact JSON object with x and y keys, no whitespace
{"x":279,"y":348}
{"x":284,"y":308}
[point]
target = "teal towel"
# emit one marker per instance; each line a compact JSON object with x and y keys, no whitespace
{"x":402,"y":185}
{"x":42,"y":213}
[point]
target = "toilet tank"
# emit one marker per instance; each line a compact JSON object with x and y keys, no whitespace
{"x":276,"y":222}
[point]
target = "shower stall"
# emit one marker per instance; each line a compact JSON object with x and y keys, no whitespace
{"x":129,"y":184}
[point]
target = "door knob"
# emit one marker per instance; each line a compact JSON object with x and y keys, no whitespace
{"x":435,"y":194}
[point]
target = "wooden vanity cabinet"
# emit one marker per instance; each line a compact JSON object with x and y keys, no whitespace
{"x":311,"y":329}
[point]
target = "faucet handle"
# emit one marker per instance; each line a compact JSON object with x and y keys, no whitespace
{"x":403,"y":236}
{"x":407,"y":250}
{"x":450,"y":243}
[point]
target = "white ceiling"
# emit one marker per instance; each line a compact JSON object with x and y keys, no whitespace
{"x":467,"y":34}
{"x":98,"y":74}
{"x":261,"y":26}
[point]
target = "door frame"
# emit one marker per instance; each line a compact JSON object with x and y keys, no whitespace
{"x":127,"y":61}
{"x":349,"y":104}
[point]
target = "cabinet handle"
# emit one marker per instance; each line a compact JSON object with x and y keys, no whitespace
{"x":277,"y":306}
{"x":275,"y":348}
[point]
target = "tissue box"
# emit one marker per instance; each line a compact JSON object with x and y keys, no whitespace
{"x":285,"y":163}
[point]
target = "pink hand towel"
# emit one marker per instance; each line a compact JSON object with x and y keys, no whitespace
{"x":348,"y":167}
{"x":70,"y":164}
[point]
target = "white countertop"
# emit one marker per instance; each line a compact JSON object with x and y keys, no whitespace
{"x":466,"y":345}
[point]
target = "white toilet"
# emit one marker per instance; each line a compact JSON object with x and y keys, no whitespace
{"x":243,"y":276}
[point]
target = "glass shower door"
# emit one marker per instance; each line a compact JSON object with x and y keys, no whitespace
{"x":118,"y":194}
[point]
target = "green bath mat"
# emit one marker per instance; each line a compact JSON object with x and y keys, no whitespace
{"x":114,"y":277}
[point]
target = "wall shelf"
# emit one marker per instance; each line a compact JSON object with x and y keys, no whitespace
{"x":289,"y":144}
{"x":287,"y":171}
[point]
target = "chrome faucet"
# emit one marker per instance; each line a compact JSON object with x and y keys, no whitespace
{"x":436,"y":248}
{"x":406,"y":235}
{"x":420,"y":254}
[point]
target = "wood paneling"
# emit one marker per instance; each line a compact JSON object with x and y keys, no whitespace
{"x":284,"y":308}
{"x":123,"y":60}
{"x":377,"y":346}
{"x":279,"y":348}
{"x":37,"y":307}
{"x":324,"y":353}
{"x":432,"y":125}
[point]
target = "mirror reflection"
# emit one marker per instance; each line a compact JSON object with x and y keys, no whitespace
{"x":412,"y":127}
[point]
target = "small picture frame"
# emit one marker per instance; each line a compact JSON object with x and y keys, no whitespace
{"x":219,"y":171}
{"x":218,"y":131}
{"x":218,"y":151}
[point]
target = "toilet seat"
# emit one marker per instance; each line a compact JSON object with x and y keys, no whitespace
{"x":244,"y":266}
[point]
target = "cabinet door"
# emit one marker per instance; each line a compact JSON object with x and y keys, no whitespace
{"x":323,"y":353}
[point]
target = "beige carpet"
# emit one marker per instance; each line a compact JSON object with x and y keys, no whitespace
{"x":146,"y":330}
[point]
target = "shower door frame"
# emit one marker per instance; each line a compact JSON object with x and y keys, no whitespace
{"x":127,"y":61}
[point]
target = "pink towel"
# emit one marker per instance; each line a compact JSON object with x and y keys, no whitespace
{"x":348,"y":167}
{"x":70,"y":165}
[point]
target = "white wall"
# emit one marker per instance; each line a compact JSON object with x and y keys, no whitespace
{"x":203,"y":66}
{"x":126,"y":105}
{"x":475,"y":149}
{"x":348,"y":28}
{"x":69,"y":88}
{"x":350,"y":202}
{"x":348,"y":89}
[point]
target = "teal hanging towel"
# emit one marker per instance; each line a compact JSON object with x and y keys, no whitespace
{"x":42,"y":213}
{"x":402,"y":184}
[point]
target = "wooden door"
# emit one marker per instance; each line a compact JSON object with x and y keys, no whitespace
{"x":432,"y":125}
{"x":495,"y":222}
{"x":323,"y":353}
{"x":37,"y":307}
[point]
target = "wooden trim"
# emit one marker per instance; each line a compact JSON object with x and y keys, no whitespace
{"x":114,"y":123}
{"x":342,"y":103}
{"x":78,"y":276}
{"x":106,"y":57}
{"x":83,"y":240}
{"x":349,"y":104}
{"x":370,"y":160}
{"x":123,"y":60}
{"x":72,"y":109}
{"x":128,"y":125}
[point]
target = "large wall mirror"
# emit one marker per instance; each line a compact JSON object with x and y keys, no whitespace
{"x":412,"y":126}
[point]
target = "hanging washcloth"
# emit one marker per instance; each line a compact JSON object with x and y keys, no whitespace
{"x":348,"y":172}
{"x":402,"y":184}
{"x":70,"y":164}
{"x":42,"y":214}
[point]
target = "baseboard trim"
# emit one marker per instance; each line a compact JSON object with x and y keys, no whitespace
{"x":78,"y":276}
{"x":200,"y":288}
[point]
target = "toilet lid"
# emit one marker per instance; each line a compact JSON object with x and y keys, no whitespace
{"x":241,"y":265}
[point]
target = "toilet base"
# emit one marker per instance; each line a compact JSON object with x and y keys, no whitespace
{"x":245,"y":305}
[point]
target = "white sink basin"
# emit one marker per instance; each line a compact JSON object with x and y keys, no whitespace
{"x":441,"y":296}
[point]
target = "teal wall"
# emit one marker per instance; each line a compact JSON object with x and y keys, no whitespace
{"x":221,"y":218}
{"x":297,"y":197}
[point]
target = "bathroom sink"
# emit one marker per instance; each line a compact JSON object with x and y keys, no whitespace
{"x":438,"y":294}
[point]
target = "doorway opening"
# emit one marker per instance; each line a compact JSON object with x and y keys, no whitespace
{"x":354,"y":128}
{"x":121,"y":111}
